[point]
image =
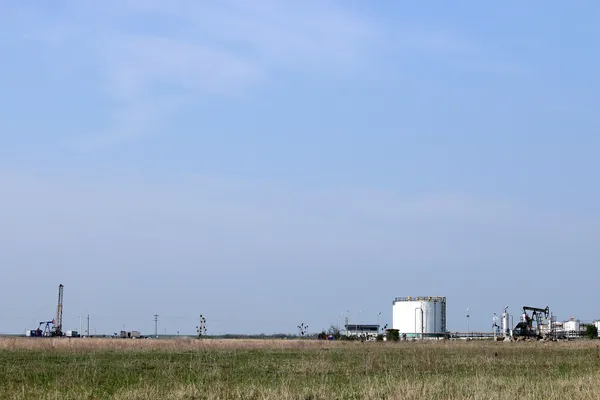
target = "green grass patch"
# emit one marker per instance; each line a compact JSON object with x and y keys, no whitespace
{"x":447,"y":370}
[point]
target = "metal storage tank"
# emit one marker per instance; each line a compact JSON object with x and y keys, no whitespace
{"x":572,"y":325}
{"x":420,"y":317}
{"x":506,"y":322}
{"x":597,"y":324}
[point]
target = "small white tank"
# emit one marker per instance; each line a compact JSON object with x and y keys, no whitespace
{"x":552,"y":323}
{"x":597,"y":325}
{"x":524,"y":317}
{"x":571,"y":325}
{"x":505,"y":322}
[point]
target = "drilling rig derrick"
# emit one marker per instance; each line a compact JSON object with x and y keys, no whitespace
{"x":57,"y":328}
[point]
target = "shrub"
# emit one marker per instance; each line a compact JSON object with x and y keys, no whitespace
{"x":591,"y":332}
{"x":393,"y":335}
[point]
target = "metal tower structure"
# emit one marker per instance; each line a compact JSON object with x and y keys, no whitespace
{"x":59,"y":313}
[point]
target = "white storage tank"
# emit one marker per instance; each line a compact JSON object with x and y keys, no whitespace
{"x":571,"y":325}
{"x":597,"y":325}
{"x":506,"y":323}
{"x":420,"y":317}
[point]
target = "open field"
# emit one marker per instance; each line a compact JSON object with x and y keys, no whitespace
{"x":295,"y":369}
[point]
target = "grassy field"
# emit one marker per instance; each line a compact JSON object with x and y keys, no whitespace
{"x":293,"y":369}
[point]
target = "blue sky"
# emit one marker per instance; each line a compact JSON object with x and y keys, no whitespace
{"x":268,"y":163}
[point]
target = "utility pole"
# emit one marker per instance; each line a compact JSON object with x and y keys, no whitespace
{"x":156,"y":325}
{"x":468,"y":321}
{"x":88,"y":326}
{"x":347,"y":319}
{"x":80,"y":332}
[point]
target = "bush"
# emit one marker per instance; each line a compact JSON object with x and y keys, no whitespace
{"x":335,"y":332}
{"x":591,"y":332}
{"x":393,"y":335}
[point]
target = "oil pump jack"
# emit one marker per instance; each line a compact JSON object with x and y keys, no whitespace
{"x":526,"y":329}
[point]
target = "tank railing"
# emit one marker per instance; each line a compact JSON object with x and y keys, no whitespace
{"x":471,"y":335}
{"x":421,"y":298}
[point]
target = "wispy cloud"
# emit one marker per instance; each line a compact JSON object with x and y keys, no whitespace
{"x":272,"y":33}
{"x":137,"y":64}
{"x":145,"y":52}
{"x":148,"y":53}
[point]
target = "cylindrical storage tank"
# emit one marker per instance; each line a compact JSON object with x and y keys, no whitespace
{"x":571,"y":326}
{"x":420,"y":317}
{"x":597,"y":325}
{"x":505,"y":324}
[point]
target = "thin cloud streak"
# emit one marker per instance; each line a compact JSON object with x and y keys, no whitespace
{"x":225,"y":48}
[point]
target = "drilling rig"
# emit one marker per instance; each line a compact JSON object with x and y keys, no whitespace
{"x":57,"y":325}
{"x":54,"y":327}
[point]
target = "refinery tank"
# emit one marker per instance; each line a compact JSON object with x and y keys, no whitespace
{"x":572,"y":328}
{"x":571,"y":325}
{"x":420,"y":317}
{"x":506,"y":323}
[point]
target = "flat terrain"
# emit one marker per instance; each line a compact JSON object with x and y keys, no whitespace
{"x":36,"y":368}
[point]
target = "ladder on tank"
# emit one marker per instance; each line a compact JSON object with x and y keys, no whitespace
{"x":444,"y":317}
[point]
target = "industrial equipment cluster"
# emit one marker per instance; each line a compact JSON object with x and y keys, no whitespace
{"x":424,"y":317}
{"x":413,"y":318}
{"x":54,"y":328}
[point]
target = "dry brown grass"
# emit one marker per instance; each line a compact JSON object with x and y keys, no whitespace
{"x":183,"y":344}
{"x":187,"y":344}
{"x":295,"y":369}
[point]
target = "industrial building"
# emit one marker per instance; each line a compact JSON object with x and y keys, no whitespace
{"x":420,"y":317}
{"x":129,"y":335}
{"x":571,"y":329}
{"x":367,"y":332}
{"x":424,"y":317}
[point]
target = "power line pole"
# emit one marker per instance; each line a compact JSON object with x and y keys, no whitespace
{"x":88,"y":326}
{"x":156,"y":325}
